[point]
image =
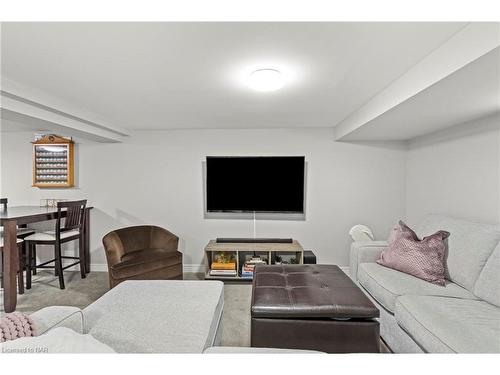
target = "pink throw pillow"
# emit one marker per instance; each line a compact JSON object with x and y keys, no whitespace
{"x":15,"y":325}
{"x":420,"y":258}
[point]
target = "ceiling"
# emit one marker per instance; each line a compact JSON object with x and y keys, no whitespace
{"x":192,"y":75}
{"x":471,"y":92}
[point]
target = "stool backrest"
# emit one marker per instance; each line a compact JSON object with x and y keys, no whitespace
{"x":75,"y":213}
{"x":3,"y":203}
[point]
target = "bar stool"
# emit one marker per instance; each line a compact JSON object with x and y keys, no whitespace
{"x":70,"y":230}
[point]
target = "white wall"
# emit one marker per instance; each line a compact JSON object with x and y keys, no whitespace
{"x":456,"y":172}
{"x":156,"y":177}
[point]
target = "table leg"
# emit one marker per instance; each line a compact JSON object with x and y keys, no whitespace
{"x":10,"y":265}
{"x":86,"y":240}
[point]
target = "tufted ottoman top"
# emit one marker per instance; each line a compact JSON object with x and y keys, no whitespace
{"x":308,"y":291}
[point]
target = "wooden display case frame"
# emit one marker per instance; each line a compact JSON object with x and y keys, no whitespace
{"x":54,"y":140}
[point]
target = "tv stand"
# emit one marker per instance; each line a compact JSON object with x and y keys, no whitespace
{"x":268,"y":251}
{"x":254,"y":240}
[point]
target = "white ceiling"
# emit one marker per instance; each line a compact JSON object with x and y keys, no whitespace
{"x":471,"y":92}
{"x":191,"y":75}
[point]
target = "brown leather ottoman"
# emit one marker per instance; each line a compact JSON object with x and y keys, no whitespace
{"x":315,"y":307}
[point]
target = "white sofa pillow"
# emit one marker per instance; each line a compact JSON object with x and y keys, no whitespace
{"x":58,"y":340}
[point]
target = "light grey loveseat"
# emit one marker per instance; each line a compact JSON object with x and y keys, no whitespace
{"x":417,"y":316}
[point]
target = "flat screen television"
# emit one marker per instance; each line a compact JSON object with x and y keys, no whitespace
{"x":255,"y":184}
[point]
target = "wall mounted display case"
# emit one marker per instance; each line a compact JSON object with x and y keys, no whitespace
{"x":53,"y":159}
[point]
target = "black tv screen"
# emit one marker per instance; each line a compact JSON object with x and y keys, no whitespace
{"x":255,"y":184}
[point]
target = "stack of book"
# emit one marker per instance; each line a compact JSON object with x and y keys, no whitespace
{"x":247,"y":270}
{"x":249,"y":267}
{"x":223,"y":269}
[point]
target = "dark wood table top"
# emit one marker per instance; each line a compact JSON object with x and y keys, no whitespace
{"x":28,"y":214}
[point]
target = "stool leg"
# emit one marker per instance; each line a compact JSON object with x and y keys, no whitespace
{"x":29,"y":263}
{"x":20,"y":273}
{"x":34,"y":258}
{"x":81,"y":252}
{"x":1,"y":281}
{"x":56,"y":272}
{"x":20,"y":281}
{"x":57,"y":250}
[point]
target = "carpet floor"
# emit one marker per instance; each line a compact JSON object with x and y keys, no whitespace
{"x":235,"y":324}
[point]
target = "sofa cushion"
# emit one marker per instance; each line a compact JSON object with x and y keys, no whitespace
{"x":469,"y":246}
{"x":386,"y":285}
{"x":146,"y":255}
{"x":57,"y":340}
{"x":52,"y":317}
{"x":444,"y":325}
{"x":487,"y":286}
{"x":158,"y":316}
{"x":142,"y":261}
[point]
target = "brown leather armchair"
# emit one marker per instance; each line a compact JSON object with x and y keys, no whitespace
{"x":143,"y":252}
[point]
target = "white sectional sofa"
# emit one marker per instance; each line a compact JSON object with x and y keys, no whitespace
{"x":417,"y":316}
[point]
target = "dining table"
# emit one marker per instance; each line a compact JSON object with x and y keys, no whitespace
{"x":15,"y":216}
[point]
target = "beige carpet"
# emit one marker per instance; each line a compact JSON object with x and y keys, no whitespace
{"x":45,"y":291}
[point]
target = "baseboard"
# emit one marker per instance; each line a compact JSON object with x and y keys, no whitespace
{"x":191,"y":268}
{"x":100,"y":267}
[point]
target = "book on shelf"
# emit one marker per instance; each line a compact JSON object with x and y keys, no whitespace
{"x":255,"y":260}
{"x":223,"y":272}
{"x":223,"y":266}
{"x":248,"y":267}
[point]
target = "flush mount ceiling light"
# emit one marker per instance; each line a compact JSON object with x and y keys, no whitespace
{"x":266,"y":80}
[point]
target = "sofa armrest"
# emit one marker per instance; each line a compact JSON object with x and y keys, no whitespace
{"x":58,"y":316}
{"x":364,"y":252}
{"x":113,"y":248}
